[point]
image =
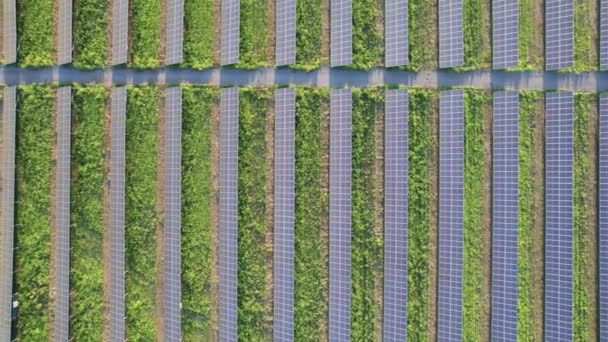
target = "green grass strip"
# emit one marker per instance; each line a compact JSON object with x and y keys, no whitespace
{"x":199,"y":32}
{"x":196,"y":212}
{"x":34,"y":165}
{"x":311,"y":203}
{"x":254,"y":34}
{"x":477,"y":51}
{"x":584,"y":60}
{"x":419,"y":212}
{"x":87,"y":210}
{"x":144,"y":27}
{"x":308,"y":34}
{"x":526,"y":35}
{"x":366,"y":252}
{"x":252,"y":224}
{"x":368,"y":36}
{"x":422,"y":32}
{"x":141,"y":218}
{"x":36,"y":33}
{"x":90,"y":34}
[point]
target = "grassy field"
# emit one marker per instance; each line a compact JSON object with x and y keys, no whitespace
{"x":34,"y":174}
{"x":87,"y":210}
{"x":476,"y":32}
{"x":585,"y":47}
{"x":35,"y":33}
{"x":145,"y":33}
{"x":308,"y":34}
{"x":422,"y":34}
{"x":368,"y":34}
{"x":90,"y":33}
{"x":141,"y":217}
{"x":254,"y":49}
{"x":198,"y":33}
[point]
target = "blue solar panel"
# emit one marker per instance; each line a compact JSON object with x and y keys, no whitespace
{"x":395,"y":214}
{"x":505,"y":34}
{"x":451,"y":51}
{"x":604,"y":35}
{"x":558,"y":216}
{"x":231,"y":11}
{"x":559,"y":34}
{"x":505,"y":161}
{"x":9,"y":33}
{"x":341,"y":32}
{"x":451,"y":220}
{"x":603,"y":218}
{"x":286,"y":32}
{"x":396,"y":33}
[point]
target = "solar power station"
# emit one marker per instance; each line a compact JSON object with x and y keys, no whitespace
{"x":340,"y":151}
{"x":341,"y":32}
{"x":286,"y":32}
{"x":451,"y":215}
{"x":231,"y":13}
{"x":558,"y":216}
{"x":120,"y":31}
{"x":229,"y":140}
{"x":284,"y":198}
{"x":172,"y":228}
{"x":505,"y":160}
{"x":396,"y":47}
{"x":604,"y":35}
{"x":603,"y":218}
{"x":7,"y":196}
{"x":9,"y":32}
{"x":175,"y":32}
{"x":116,"y":310}
{"x":64,"y":32}
{"x":395,"y":214}
{"x":451,"y":51}
{"x":559,"y":34}
{"x":505,"y":34}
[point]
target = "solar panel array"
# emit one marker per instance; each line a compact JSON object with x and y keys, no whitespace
{"x":396,"y":33}
{"x":9,"y":32}
{"x":64,"y":32}
{"x":7,"y":196}
{"x":175,"y":32}
{"x":451,"y":220}
{"x":505,"y":185}
{"x":117,"y":216}
{"x":229,"y":139}
{"x":558,"y":216}
{"x":341,"y":32}
{"x":340,"y":151}
{"x":284,"y":198}
{"x":505,"y":34}
{"x":120,"y":31}
{"x":395,"y":214}
{"x":172,"y":226}
{"x":603,"y":218}
{"x":450,"y":34}
{"x":231,"y":12}
{"x":604,"y":35}
{"x":286,"y":32}
{"x":559,"y":34}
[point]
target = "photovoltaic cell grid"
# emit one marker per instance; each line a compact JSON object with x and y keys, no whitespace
{"x":9,"y":21}
{"x":505,"y":33}
{"x":558,"y":216}
{"x":120,"y":31}
{"x":231,"y":12}
{"x":284,"y":162}
{"x":603,"y":218}
{"x":395,"y":215}
{"x":340,"y":151}
{"x":604,"y":35}
{"x":7,"y":196}
{"x":229,"y":139}
{"x":451,"y":216}
{"x":450,"y":34}
{"x":559,"y":34}
{"x":64,"y":32}
{"x":172,"y":230}
{"x":341,"y":32}
{"x":175,"y":32}
{"x":505,"y":168}
{"x":396,"y":33}
{"x":286,"y":32}
{"x":117,"y":216}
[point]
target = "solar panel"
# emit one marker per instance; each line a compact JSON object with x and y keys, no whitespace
{"x":64,"y":32}
{"x":558,"y":216}
{"x":395,"y":215}
{"x":396,"y":33}
{"x":450,"y":34}
{"x":229,"y":140}
{"x":451,"y":220}
{"x":284,"y":162}
{"x":117,"y":216}
{"x":604,"y":35}
{"x":559,"y":34}
{"x":7,"y":196}
{"x":231,"y":12}
{"x":286,"y":32}
{"x":120,"y":31}
{"x":603,"y":218}
{"x":175,"y":32}
{"x":505,"y":34}
{"x":340,"y":151}
{"x":9,"y":33}
{"x":505,"y":160}
{"x":341,"y":32}
{"x":172,"y":230}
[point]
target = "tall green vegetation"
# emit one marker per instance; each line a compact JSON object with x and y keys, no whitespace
{"x":368,"y":34}
{"x":311,"y":205}
{"x":526,"y":35}
{"x":585,"y":53}
{"x":308,"y":34}
{"x":198,"y":33}
{"x":87,"y":210}
{"x":477,"y":51}
{"x":144,"y":27}
{"x":34,"y":165}
{"x":141,"y":218}
{"x":36,"y":33}
{"x":197,"y":195}
{"x":254,"y":34}
{"x":90,"y":33}
{"x":422,"y":34}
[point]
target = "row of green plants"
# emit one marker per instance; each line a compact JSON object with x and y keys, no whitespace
{"x":36,"y":33}
{"x":585,"y":46}
{"x":145,"y":33}
{"x":422,"y":38}
{"x":199,"y":31}
{"x":527,"y":32}
{"x":309,"y":34}
{"x":91,"y":19}
{"x":254,"y":43}
{"x":476,"y":34}
{"x":368,"y":34}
